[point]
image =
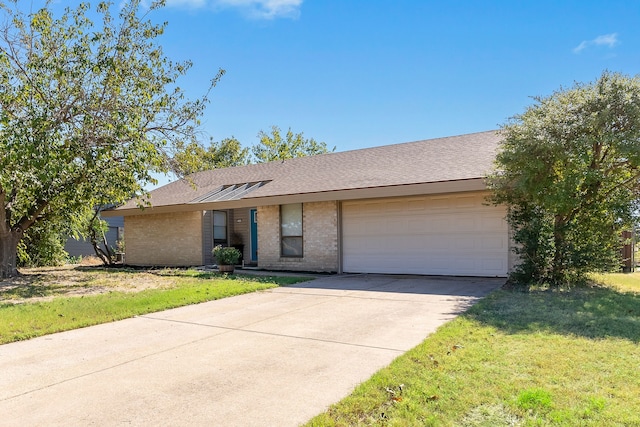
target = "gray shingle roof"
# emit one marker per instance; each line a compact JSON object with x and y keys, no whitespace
{"x":436,"y":160}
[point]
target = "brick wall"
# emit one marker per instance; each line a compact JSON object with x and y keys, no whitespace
{"x":172,"y":239}
{"x":320,"y":238}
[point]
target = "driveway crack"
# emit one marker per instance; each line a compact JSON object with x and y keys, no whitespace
{"x":253,"y":331}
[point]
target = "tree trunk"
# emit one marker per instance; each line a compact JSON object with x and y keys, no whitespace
{"x":558,"y":267}
{"x":106,"y":256}
{"x":9,"y":253}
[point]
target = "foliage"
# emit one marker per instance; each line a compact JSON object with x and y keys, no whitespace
{"x":226,"y":255}
{"x":568,"y":170}
{"x":43,"y":245}
{"x":88,"y":112}
{"x":194,"y":157}
{"x":274,"y":147}
{"x":96,"y":229}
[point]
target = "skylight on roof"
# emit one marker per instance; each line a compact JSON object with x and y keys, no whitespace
{"x":230,"y":192}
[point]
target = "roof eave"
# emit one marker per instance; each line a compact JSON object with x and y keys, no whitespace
{"x":440,"y":187}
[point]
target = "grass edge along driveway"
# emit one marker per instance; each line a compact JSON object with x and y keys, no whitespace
{"x":537,"y":358}
{"x":33,"y":319}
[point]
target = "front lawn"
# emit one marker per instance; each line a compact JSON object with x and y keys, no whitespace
{"x":45,"y":301}
{"x":538,"y":358}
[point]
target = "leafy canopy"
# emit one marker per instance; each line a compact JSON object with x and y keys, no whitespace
{"x":569,"y":171}
{"x":88,"y":110}
{"x":274,"y":147}
{"x":194,"y":157}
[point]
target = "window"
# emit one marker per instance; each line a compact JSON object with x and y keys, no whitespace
{"x":219,"y":228}
{"x":291,"y":230}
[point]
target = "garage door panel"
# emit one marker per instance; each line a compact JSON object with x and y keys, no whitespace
{"x":394,"y":227}
{"x":396,"y":207}
{"x":438,"y":243}
{"x":417,"y":204}
{"x":417,"y":226}
{"x":493,"y":223}
{"x":442,"y":223}
{"x":425,"y":235}
{"x":464,"y":243}
{"x":494,"y":242}
{"x":464,"y":202}
{"x":494,"y":264}
{"x":466,"y":223}
{"x":439,"y":203}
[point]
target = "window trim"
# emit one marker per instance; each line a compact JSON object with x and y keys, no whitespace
{"x":301,"y":236}
{"x":225,"y":241}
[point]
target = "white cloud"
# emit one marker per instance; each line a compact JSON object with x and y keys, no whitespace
{"x":189,"y":3}
{"x":267,"y":9}
{"x":607,"y":40}
{"x":580,"y":47}
{"x":257,"y":9}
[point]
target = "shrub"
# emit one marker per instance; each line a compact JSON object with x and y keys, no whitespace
{"x":226,"y":255}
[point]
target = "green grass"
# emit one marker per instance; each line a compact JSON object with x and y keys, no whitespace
{"x":537,"y":358}
{"x":29,"y":320}
{"x":625,"y":282}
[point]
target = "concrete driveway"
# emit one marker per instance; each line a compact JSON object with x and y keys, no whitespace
{"x":272,"y":358}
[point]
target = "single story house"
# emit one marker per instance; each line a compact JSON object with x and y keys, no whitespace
{"x":412,"y":208}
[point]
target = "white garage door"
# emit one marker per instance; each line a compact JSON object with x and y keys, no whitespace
{"x":440,"y":235}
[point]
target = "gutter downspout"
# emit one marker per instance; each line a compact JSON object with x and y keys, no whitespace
{"x":339,"y":231}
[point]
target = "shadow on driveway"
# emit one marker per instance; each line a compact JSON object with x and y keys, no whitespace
{"x":455,"y":293}
{"x":406,"y":284}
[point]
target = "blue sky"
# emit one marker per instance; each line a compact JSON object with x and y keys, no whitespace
{"x":363,"y":73}
{"x":358,"y":74}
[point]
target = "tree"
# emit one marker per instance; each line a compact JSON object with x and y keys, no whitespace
{"x":273,"y":147}
{"x":87,"y":112}
{"x":95,"y":228}
{"x":569,"y":172}
{"x":43,"y":245}
{"x":196,"y":158}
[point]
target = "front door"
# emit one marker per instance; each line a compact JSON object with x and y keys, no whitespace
{"x":254,"y":235}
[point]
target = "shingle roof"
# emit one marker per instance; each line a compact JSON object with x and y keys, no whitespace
{"x":436,"y":160}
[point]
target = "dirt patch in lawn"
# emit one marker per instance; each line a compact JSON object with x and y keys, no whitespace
{"x":47,"y":283}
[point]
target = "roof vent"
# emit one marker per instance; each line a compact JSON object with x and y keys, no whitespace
{"x":230,"y":192}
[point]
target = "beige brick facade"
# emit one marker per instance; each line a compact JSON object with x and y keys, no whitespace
{"x":172,"y":239}
{"x":320,"y":238}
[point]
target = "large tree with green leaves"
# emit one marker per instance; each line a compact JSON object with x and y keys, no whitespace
{"x":195,"y":157}
{"x":88,"y":112}
{"x":274,"y":147}
{"x":569,"y":171}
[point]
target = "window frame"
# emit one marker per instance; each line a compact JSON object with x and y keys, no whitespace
{"x":289,"y":237}
{"x":225,"y":241}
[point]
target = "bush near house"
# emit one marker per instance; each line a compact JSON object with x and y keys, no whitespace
{"x":568,"y":170}
{"x":226,"y":255}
